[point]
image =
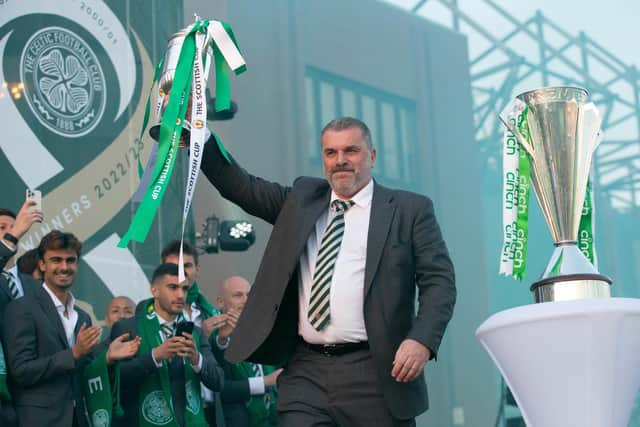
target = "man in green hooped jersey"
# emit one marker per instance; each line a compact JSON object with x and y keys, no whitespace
{"x":256,"y":407}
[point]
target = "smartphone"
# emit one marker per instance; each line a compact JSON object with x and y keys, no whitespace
{"x":35,"y":195}
{"x":184,"y":326}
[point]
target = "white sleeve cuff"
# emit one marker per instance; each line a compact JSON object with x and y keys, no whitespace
{"x":158,"y":364}
{"x":256,"y":385}
{"x":197,"y":368}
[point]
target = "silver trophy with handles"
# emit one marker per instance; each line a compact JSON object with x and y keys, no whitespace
{"x":564,"y":133}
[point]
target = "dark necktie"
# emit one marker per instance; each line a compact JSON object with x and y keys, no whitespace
{"x":319,"y":311}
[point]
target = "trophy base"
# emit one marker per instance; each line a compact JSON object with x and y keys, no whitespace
{"x":571,"y":287}
{"x":185,"y":137}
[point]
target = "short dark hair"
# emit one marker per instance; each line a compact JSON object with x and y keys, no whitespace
{"x":344,"y":123}
{"x":7,"y":212}
{"x":56,"y":240}
{"x":173,"y":248}
{"x":28,"y":262}
{"x":164,"y":269}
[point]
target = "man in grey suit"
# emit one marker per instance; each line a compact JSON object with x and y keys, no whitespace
{"x":48,"y":341}
{"x":334,"y":297}
{"x":13,"y":284}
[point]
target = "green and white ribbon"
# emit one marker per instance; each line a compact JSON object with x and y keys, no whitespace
{"x":586,"y":230}
{"x":227,"y":56}
{"x":516,"y":193}
{"x":197,"y":138}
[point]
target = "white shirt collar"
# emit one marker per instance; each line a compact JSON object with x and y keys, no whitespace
{"x":362,"y":198}
{"x":71,"y":301}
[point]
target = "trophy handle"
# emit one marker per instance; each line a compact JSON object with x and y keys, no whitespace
{"x":521,"y":139}
{"x":590,"y":121}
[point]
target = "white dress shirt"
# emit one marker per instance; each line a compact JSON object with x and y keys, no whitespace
{"x":69,"y":321}
{"x":16,"y":278}
{"x":347,"y":282}
{"x":197,"y":317}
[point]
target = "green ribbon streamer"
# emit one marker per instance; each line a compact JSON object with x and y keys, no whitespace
{"x":585,"y":230}
{"x":171,"y":127}
{"x":522,"y":201}
{"x":145,"y":120}
{"x":170,"y":131}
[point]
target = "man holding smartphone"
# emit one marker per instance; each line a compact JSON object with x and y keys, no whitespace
{"x":168,"y":368}
{"x":13,"y":285}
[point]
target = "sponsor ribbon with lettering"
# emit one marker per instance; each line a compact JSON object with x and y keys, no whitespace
{"x":516,"y":193}
{"x":197,"y":137}
{"x":227,"y":56}
{"x":586,"y":239}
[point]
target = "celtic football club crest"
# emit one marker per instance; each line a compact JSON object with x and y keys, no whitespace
{"x":65,"y":82}
{"x":193,"y":397}
{"x":100,"y":418}
{"x":155,"y":409}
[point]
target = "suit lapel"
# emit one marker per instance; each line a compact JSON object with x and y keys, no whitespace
{"x":49,"y":309}
{"x":312,"y":207}
{"x":382,"y":210}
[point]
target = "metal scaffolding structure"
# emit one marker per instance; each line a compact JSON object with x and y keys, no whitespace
{"x":537,"y":52}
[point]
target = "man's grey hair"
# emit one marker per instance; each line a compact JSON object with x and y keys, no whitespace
{"x":344,"y":123}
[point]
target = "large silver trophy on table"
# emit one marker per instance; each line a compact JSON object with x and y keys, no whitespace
{"x":564,"y":130}
{"x":570,"y":360}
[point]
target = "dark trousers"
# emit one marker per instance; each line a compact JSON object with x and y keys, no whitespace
{"x":316,"y":390}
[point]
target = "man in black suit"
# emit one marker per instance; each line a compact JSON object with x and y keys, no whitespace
{"x":48,"y":341}
{"x":334,"y":297}
{"x":182,"y":360}
{"x":13,"y":284}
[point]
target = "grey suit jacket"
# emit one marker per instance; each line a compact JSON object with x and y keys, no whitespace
{"x":45,"y":380}
{"x":405,"y":253}
{"x":134,"y":371}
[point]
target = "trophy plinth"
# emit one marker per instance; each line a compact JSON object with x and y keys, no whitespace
{"x":563,"y":134}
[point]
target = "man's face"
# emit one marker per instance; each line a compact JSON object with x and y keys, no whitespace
{"x":347,"y":161}
{"x":191,"y":270}
{"x":118,"y":309}
{"x":59,"y":267}
{"x":169,"y":295}
{"x":234,"y":294}
{"x":6,"y":222}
